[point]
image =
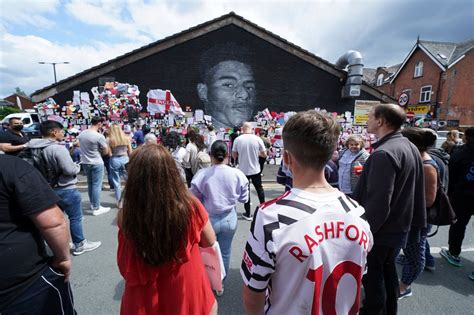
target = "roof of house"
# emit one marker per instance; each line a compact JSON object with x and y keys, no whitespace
{"x":443,"y":54}
{"x":4,"y":102}
{"x":368,"y":74}
{"x":193,"y":32}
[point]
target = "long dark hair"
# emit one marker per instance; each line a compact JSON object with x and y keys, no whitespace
{"x":157,"y":207}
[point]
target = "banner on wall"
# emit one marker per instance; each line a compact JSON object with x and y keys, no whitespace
{"x":361,"y":111}
{"x":419,"y":110}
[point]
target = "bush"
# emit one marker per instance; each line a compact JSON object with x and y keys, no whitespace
{"x":7,"y":110}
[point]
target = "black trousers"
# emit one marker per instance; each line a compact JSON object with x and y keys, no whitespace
{"x":256,"y":180}
{"x":189,"y":176}
{"x":380,"y":282}
{"x":462,"y":206}
{"x":261,"y":161}
{"x":49,"y":295}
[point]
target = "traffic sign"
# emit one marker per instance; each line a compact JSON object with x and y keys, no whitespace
{"x":403,"y":99}
{"x":410,"y":115}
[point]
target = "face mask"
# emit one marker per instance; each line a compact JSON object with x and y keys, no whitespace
{"x":17,"y":127}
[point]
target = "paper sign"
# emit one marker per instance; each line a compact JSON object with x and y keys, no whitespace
{"x":361,"y":111}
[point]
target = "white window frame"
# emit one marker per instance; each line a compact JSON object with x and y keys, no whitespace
{"x":380,"y":79}
{"x":425,"y":96}
{"x":418,"y":69}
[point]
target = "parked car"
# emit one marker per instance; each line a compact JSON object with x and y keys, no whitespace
{"x":33,"y":131}
{"x":28,"y":118}
{"x":441,"y":137}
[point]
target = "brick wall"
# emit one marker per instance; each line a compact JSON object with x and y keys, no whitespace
{"x":406,"y":80}
{"x":457,"y":99}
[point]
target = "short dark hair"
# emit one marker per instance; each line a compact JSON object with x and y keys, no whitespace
{"x":393,"y":114}
{"x":47,"y":127}
{"x":469,"y":134}
{"x":96,"y":120}
{"x":172,"y":140}
{"x":421,"y":138}
{"x":311,"y":138}
{"x":13,"y":118}
{"x":223,"y":52}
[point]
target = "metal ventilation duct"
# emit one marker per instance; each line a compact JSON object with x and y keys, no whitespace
{"x":355,"y":64}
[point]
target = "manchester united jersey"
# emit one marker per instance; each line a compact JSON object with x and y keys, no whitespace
{"x":308,"y":252}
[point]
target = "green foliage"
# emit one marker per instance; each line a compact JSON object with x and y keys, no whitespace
{"x":7,"y":110}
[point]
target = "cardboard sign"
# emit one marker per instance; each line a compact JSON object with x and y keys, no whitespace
{"x":361,"y":111}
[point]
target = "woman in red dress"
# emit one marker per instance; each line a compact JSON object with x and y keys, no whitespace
{"x":161,"y":226}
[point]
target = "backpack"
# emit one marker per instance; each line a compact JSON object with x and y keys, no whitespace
{"x":36,"y":158}
{"x":442,"y":160}
{"x":441,"y":212}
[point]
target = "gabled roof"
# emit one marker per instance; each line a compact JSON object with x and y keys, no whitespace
{"x":368,"y":75}
{"x":191,"y":33}
{"x":4,"y":102}
{"x":443,"y":54}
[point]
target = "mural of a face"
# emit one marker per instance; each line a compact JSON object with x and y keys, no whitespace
{"x":229,"y":96}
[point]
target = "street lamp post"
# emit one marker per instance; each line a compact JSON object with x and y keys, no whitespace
{"x":54,"y":67}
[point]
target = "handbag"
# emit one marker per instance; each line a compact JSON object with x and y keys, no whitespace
{"x":214,"y":265}
{"x":441,"y":212}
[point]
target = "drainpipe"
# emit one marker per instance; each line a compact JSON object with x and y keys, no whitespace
{"x":354,"y":62}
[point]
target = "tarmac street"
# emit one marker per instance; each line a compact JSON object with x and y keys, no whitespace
{"x":98,"y":286}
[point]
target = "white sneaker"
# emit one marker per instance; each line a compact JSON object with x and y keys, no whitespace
{"x":100,"y":211}
{"x":85,"y":246}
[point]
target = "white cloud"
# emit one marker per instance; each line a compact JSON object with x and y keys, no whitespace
{"x":19,"y":64}
{"x":383,"y":31}
{"x":28,"y":12}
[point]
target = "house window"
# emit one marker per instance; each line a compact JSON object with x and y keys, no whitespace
{"x":380,"y":79}
{"x":418,"y":69}
{"x":425,"y":94}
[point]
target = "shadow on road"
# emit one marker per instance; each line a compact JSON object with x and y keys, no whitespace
{"x":453,"y":278}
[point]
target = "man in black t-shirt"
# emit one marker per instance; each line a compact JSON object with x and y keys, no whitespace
{"x":12,"y":140}
{"x":30,"y":281}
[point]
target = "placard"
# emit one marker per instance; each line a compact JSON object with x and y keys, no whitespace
{"x":361,"y":111}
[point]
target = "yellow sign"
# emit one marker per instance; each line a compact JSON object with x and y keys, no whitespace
{"x":419,"y":110}
{"x":361,"y":111}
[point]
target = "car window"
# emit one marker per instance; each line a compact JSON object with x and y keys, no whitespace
{"x":26,"y":121}
{"x":35,"y":118}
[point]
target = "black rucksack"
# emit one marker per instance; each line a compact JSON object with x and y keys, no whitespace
{"x":442,"y":160}
{"x":36,"y":158}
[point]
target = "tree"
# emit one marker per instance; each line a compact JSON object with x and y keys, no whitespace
{"x":7,"y":110}
{"x":19,"y":91}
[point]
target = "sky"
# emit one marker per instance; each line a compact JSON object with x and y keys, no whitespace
{"x":86,"y":33}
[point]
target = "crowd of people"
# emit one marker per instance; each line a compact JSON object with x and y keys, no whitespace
{"x":352,"y":210}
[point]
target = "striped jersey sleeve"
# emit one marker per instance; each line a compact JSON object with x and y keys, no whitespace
{"x":258,"y":261}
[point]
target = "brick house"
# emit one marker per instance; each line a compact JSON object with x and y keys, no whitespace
{"x":438,"y":79}
{"x":20,"y":101}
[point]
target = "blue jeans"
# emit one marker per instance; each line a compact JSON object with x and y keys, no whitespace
{"x":71,"y":204}
{"x":47,"y":295}
{"x":95,"y":175}
{"x":117,"y":171}
{"x":225,"y":225}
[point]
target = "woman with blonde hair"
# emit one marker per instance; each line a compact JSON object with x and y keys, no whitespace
{"x":161,"y":227}
{"x":121,"y":148}
{"x":351,"y":162}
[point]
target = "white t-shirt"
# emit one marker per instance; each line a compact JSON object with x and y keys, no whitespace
{"x":248,"y":146}
{"x":307,"y":251}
